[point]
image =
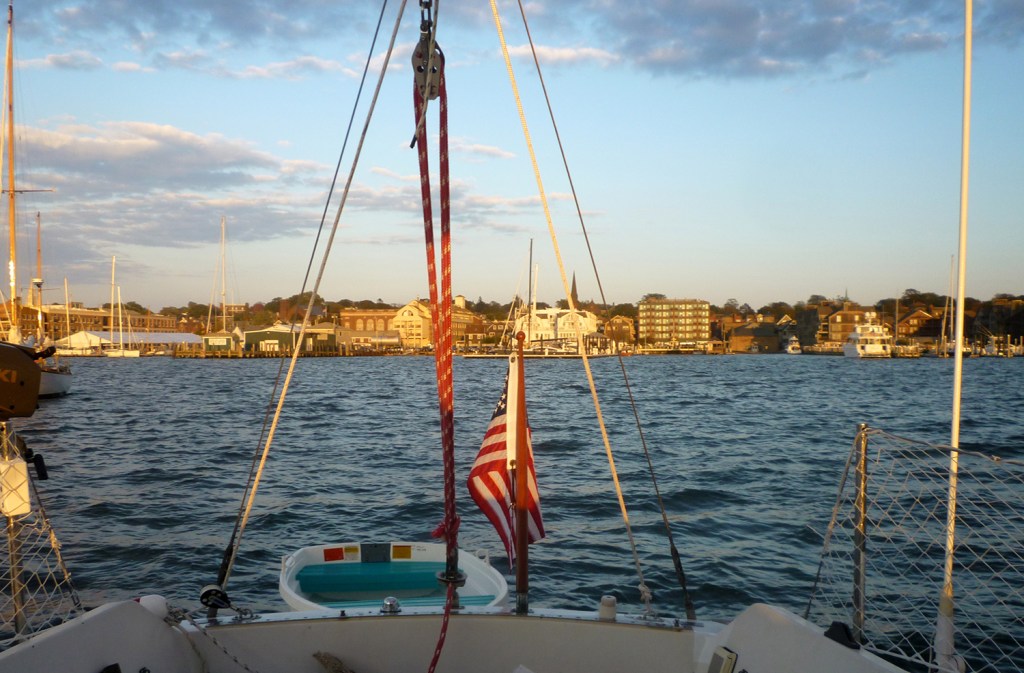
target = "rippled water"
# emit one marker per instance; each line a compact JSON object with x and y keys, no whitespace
{"x":148,"y":460}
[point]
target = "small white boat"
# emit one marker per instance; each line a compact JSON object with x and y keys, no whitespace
{"x":55,"y":380}
{"x":868,"y":341}
{"x":122,"y":353}
{"x":793,"y":346}
{"x":358,"y":575}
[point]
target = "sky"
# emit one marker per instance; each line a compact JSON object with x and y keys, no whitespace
{"x":757,"y":150}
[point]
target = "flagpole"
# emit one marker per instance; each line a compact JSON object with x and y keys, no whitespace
{"x":522,"y":487}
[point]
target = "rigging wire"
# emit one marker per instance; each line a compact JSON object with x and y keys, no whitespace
{"x":279,"y":391}
{"x":676,"y":561}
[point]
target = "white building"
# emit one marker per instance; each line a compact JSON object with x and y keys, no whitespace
{"x":555,"y":326}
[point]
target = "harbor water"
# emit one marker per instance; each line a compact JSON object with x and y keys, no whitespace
{"x":148,"y":460}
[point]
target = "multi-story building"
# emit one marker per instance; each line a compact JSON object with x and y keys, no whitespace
{"x":366,"y":320}
{"x":673,"y":322}
{"x":414,"y":323}
{"x":555,"y":326}
{"x":58,"y":320}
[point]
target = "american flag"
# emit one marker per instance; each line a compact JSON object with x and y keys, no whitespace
{"x":491,"y":482}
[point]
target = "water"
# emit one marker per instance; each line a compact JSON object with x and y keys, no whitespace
{"x":148,"y":459}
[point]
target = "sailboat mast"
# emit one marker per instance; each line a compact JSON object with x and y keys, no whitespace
{"x":944,"y":646}
{"x":37,"y":281}
{"x":120,"y":326}
{"x":11,"y":229}
{"x":223,"y":275}
{"x":113,"y":265}
{"x":67,"y":310}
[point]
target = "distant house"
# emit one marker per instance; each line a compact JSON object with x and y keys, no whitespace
{"x":321,"y":339}
{"x":757,"y":333}
{"x":621,"y":330}
{"x":222,"y":342}
{"x":277,"y":338}
{"x":911,"y":323}
{"x":413,"y":324}
{"x":826,"y":323}
{"x":548,"y":326}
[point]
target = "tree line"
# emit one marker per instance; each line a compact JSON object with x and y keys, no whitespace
{"x":997,"y":315}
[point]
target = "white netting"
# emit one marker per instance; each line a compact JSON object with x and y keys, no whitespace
{"x":907,"y":492}
{"x":35,"y":590}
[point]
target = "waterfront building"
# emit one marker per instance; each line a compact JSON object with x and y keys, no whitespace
{"x":277,"y":338}
{"x":223,"y":341}
{"x":842,"y":323}
{"x":366,"y":320}
{"x":621,"y":330}
{"x":555,"y":327}
{"x":60,"y":320}
{"x":671,"y":323}
{"x":413,"y":322}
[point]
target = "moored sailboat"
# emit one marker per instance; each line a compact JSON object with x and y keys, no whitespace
{"x":118,"y":348}
{"x":56,"y":376}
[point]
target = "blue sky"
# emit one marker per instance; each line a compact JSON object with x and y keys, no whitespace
{"x":762,"y":150}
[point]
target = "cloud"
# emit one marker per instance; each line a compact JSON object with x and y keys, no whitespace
{"x":702,"y":38}
{"x":151,"y":185}
{"x":128,"y":66}
{"x":75,"y":60}
{"x":293,"y":69}
{"x":566,"y":55}
{"x":463,"y":146}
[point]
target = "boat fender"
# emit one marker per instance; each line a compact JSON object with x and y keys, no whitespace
{"x":41,"y":473}
{"x":841,"y":633}
{"x":607,"y":608}
{"x":31,"y":456}
{"x":155,"y":604}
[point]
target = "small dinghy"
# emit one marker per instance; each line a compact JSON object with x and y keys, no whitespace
{"x":354,"y":575}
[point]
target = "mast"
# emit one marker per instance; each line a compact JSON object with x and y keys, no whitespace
{"x":113,"y":265}
{"x":67,"y":310}
{"x":945,"y":646}
{"x":120,"y":326}
{"x":11,"y":229}
{"x":37,"y":282}
{"x":223,"y":275}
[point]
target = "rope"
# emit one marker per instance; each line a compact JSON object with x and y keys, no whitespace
{"x":428,"y":61}
{"x":645,"y":596}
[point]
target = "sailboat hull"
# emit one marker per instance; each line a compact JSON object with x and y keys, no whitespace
{"x":55,"y":381}
{"x":121,"y":353}
{"x":482,"y":640}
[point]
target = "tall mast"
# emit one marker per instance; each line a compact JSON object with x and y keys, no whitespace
{"x":223,"y":275}
{"x":13,"y":248}
{"x":67,"y":310}
{"x":944,"y":645}
{"x":37,"y":281}
{"x":113,"y":265}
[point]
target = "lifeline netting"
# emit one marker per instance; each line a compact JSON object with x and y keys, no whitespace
{"x":904,"y":554}
{"x":35,"y":590}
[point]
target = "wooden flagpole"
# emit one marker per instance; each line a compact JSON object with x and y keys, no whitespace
{"x":522,"y":487}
